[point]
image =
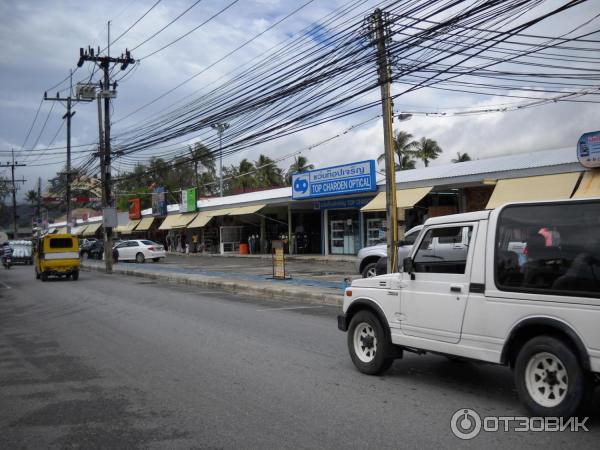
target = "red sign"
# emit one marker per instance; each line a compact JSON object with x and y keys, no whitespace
{"x":135,"y":208}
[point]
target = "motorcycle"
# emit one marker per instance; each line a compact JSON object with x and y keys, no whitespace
{"x":7,"y":261}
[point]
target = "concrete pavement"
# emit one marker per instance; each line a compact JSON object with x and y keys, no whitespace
{"x":311,"y":281}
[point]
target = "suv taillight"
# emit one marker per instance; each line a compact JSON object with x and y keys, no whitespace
{"x":151,"y":249}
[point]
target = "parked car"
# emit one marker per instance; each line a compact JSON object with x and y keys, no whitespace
{"x":93,"y":250}
{"x":481,"y":301}
{"x":140,"y":250}
{"x":367,"y":258}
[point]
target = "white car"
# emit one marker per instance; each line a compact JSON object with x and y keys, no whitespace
{"x":485,"y":298}
{"x":140,"y":250}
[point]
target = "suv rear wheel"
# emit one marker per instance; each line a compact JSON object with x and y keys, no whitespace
{"x":549,"y":378}
{"x":368,"y":344}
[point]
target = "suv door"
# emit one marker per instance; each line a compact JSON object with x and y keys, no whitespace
{"x":433,"y":299}
{"x":122,"y":249}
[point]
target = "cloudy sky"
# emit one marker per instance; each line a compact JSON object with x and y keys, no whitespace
{"x":40,"y":41}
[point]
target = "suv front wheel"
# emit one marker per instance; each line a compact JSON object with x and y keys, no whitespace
{"x":368,"y":344}
{"x":549,"y":378}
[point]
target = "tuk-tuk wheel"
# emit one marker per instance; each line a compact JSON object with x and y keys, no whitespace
{"x":44,"y":276}
{"x":37,"y":275}
{"x":75,"y":275}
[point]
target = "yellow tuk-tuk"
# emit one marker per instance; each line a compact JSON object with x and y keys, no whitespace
{"x":56,"y":255}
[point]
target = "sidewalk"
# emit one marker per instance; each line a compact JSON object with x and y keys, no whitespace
{"x":315,"y":258}
{"x":243,"y":276}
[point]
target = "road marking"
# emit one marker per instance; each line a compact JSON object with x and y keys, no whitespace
{"x":5,"y":285}
{"x":288,"y":308}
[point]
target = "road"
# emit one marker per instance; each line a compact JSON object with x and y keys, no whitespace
{"x":118,"y":362}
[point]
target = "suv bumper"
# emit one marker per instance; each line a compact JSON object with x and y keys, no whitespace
{"x":342,"y":323}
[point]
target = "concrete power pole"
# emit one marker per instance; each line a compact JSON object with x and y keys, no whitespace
{"x":220,"y":127}
{"x":379,"y":34}
{"x":14,"y":192}
{"x":68,"y":115}
{"x":104,"y":62}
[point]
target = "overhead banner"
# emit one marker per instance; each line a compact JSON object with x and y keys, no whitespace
{"x":159,"y":205}
{"x":135,"y":208}
{"x":588,"y":150}
{"x":345,"y":179}
{"x":188,"y":200}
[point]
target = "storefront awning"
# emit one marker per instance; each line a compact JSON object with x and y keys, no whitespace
{"x":176,"y":221}
{"x":128,"y":227}
{"x":221,"y":212}
{"x":201,"y":219}
{"x":92,"y":228}
{"x":544,"y":187}
{"x":589,"y":186}
{"x":405,"y":198}
{"x":144,"y":224}
{"x":246,"y":210}
{"x":61,"y":230}
{"x":78,"y":230}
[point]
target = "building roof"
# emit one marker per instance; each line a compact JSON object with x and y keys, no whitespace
{"x":510,"y":166}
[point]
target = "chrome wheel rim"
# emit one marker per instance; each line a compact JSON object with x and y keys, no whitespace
{"x":365,"y":342}
{"x":371,"y":272}
{"x":546,"y":379}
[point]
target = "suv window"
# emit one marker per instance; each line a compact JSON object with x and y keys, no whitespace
{"x":133,"y":244}
{"x":442,"y":250}
{"x":552,"y":248}
{"x":410,"y":239}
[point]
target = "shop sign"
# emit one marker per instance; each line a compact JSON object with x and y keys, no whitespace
{"x":135,"y":208}
{"x":188,"y":200}
{"x":278,"y":260}
{"x":343,"y":203}
{"x":159,"y":205}
{"x":337,"y":180}
{"x":109,"y":217}
{"x":588,"y":150}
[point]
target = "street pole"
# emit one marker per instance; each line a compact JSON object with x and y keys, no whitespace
{"x":105,"y":151}
{"x":385,"y":78}
{"x":14,"y":192}
{"x":220,"y":127}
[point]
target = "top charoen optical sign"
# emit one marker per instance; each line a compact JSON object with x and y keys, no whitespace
{"x":351,"y":178}
{"x":588,"y":149}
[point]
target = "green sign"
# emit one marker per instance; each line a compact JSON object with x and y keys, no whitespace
{"x":188,"y":200}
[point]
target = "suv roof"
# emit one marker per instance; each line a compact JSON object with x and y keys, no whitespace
{"x":464,"y":217}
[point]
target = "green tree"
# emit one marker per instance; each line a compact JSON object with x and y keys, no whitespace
{"x":239,"y":179}
{"x":405,"y":150}
{"x":299,"y":165}
{"x":268,"y":175}
{"x":461,"y":157}
{"x":427,"y":150}
{"x":203,"y":162}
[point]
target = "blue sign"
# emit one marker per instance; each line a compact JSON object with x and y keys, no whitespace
{"x":343,"y":203}
{"x":337,"y":180}
{"x":588,"y":150}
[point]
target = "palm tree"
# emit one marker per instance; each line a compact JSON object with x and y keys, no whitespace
{"x":427,"y":150}
{"x":267,"y":173}
{"x":299,"y":165}
{"x":461,"y":157}
{"x":243,"y":176}
{"x":404,"y":148}
{"x":202,"y":159}
{"x":32,"y":197}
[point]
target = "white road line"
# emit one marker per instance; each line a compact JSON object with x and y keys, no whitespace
{"x":5,"y":285}
{"x":289,"y":307}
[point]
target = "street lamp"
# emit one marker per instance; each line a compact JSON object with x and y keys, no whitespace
{"x":220,"y":127}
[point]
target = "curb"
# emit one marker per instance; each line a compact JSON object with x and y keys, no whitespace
{"x":285,"y":293}
{"x":306,"y":258}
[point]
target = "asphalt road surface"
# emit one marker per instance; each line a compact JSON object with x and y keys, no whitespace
{"x":117,"y":362}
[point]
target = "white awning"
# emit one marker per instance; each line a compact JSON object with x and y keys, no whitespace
{"x":128,"y":227}
{"x":92,"y":228}
{"x":201,"y":220}
{"x":144,"y":224}
{"x":544,"y":187}
{"x":246,"y":210}
{"x":405,"y":198}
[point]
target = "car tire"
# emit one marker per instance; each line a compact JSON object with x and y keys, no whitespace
{"x":368,"y":343}
{"x":75,"y":275}
{"x":156,"y":259}
{"x":369,"y":270}
{"x":549,"y":378}
{"x":44,"y":276}
{"x":140,"y":258}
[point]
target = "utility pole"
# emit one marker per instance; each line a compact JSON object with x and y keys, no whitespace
{"x":14,"y":191}
{"x":104,"y":62}
{"x":379,"y":35}
{"x":39,"y":202}
{"x":220,"y":127}
{"x":68,"y":115}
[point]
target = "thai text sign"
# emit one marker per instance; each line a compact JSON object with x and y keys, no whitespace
{"x":188,"y":200}
{"x":337,"y":180}
{"x":588,"y":150}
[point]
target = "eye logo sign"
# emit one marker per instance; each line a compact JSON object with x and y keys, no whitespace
{"x":301,"y":185}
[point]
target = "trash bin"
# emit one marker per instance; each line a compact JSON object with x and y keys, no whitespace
{"x":243,"y":249}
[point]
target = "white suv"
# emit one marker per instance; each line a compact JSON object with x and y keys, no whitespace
{"x":537,"y":311}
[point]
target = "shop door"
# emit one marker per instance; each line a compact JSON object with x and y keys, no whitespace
{"x":337,"y":237}
{"x":344,"y":237}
